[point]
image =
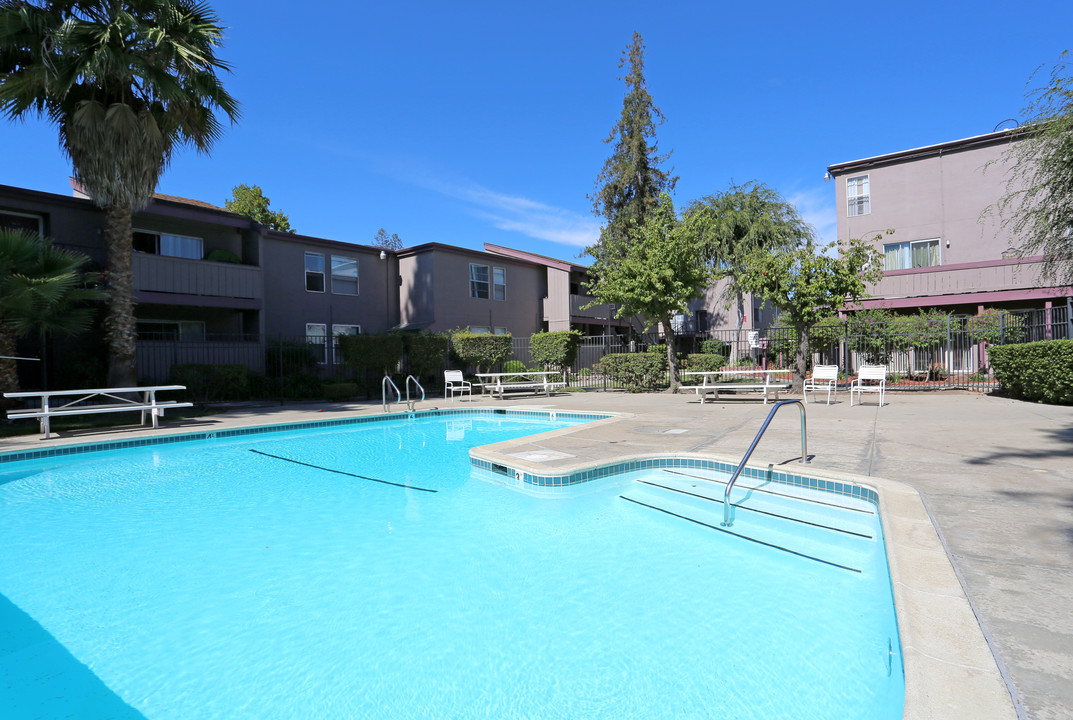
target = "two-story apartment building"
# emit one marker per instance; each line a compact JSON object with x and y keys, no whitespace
{"x":949,"y":249}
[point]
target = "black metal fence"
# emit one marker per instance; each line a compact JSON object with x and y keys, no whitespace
{"x":948,"y":352}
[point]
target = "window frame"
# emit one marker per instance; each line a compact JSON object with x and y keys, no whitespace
{"x":182,"y":330}
{"x":357,"y":285}
{"x":312,"y":273}
{"x":859,"y":203}
{"x":158,"y":243}
{"x":908,"y":245}
{"x":474,"y":283}
{"x":499,"y":289}
{"x":34,"y":216}
{"x":320,"y":341}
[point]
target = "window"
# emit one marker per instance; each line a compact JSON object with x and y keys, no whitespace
{"x":499,"y":283}
{"x":20,"y":221}
{"x":344,"y":275}
{"x":916,"y":254}
{"x":179,"y":246}
{"x":337,"y":331}
{"x":478,"y":281}
{"x":314,"y":272}
{"x":501,"y":331}
{"x":317,"y":337}
{"x":857,"y":196}
{"x":479,"y":330}
{"x":170,"y":330}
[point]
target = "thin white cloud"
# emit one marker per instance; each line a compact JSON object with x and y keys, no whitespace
{"x":509,"y":213}
{"x":817,"y":207}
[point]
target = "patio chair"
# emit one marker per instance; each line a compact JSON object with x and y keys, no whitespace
{"x":870,"y":378}
{"x":453,"y":383}
{"x":823,"y":376}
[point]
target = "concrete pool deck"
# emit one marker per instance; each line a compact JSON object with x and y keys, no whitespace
{"x":996,"y":474}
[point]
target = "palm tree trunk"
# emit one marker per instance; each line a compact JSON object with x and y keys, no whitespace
{"x":119,"y":322}
{"x":9,"y":373}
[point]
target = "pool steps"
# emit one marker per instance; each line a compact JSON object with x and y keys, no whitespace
{"x":832,"y":530}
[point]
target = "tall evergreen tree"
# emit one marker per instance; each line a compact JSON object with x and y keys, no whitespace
{"x":629,"y":185}
{"x":125,"y":83}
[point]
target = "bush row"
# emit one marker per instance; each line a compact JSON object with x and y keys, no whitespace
{"x":1041,"y":371}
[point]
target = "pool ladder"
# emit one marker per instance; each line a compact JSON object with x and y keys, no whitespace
{"x":387,"y":384}
{"x":804,"y":453}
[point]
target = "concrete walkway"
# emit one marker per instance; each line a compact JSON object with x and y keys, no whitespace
{"x":997,"y":475}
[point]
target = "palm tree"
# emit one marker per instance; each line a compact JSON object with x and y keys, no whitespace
{"x":43,"y":290}
{"x":125,"y":82}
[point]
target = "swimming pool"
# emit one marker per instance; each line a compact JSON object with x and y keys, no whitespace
{"x":278,"y":575}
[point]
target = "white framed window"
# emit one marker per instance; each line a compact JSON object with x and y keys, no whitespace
{"x":914,"y":254}
{"x":857,"y":196}
{"x":479,"y":330}
{"x":170,"y":330}
{"x":11,"y":220}
{"x":501,"y":331}
{"x":317,"y":337}
{"x":344,"y":275}
{"x":314,"y":272}
{"x":180,"y":246}
{"x":499,"y":283}
{"x":478,"y":281}
{"x":337,"y":332}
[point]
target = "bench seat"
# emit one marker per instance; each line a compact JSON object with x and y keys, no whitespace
{"x":716,"y":388}
{"x":94,"y":409}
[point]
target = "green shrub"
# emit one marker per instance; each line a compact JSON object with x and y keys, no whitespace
{"x":428,"y":353}
{"x":556,"y":350}
{"x":302,"y":386}
{"x":380,"y":354}
{"x":635,"y":371}
{"x":207,"y":383}
{"x":705,"y":362}
{"x":994,"y":326}
{"x":715,"y":347}
{"x":289,"y":356}
{"x":746,"y":361}
{"x":1041,"y":371}
{"x":336,"y":392}
{"x":514,"y":366}
{"x":482,"y":350}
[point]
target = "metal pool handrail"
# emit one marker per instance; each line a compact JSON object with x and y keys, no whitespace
{"x":410,"y":404}
{"x":804,"y":453}
{"x":384,"y":385}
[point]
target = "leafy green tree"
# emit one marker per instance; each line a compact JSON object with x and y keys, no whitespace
{"x":1037,"y":208}
{"x":125,"y":83}
{"x":735,"y":224}
{"x":658,"y":273}
{"x":481,"y":349}
{"x":249,"y":200}
{"x":807,"y":285}
{"x":629,"y":185}
{"x":388,"y":242}
{"x":42,"y":290}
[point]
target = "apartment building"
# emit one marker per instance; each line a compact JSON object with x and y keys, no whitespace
{"x":948,"y":249}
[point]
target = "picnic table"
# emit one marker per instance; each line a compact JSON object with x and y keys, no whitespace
{"x":98,"y":400}
{"x":714,"y":381}
{"x":534,"y":381}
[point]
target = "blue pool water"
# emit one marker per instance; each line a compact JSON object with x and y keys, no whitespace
{"x":223,"y":579}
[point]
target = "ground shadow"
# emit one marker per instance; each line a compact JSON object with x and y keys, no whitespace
{"x":1061,"y":446}
{"x":39,"y":678}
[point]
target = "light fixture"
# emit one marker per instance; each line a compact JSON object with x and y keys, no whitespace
{"x":383,"y":255}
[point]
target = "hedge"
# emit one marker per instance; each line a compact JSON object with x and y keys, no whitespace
{"x":428,"y":353}
{"x":373,"y":353}
{"x":636,"y":371}
{"x":482,"y":350}
{"x":556,"y":350}
{"x":1041,"y":371}
{"x":704,"y":362}
{"x":212,"y":382}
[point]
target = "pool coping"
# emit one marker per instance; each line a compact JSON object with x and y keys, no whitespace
{"x":950,"y":669}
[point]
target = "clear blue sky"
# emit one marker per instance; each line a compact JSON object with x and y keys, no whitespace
{"x":473,"y":122}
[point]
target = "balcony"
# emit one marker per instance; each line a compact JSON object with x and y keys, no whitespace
{"x":201,"y":278}
{"x":992,"y":281}
{"x":596,"y":312}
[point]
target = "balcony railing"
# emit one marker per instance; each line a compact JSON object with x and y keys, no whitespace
{"x":159,"y":273}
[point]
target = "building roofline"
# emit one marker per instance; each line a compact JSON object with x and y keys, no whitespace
{"x":482,"y":254}
{"x":994,"y":138}
{"x":534,"y":258}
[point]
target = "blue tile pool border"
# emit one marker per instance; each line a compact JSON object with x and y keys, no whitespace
{"x":837,"y":487}
{"x":62,"y":450}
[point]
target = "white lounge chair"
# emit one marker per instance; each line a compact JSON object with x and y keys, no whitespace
{"x":870,"y":378}
{"x":453,"y":383}
{"x":823,"y":376}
